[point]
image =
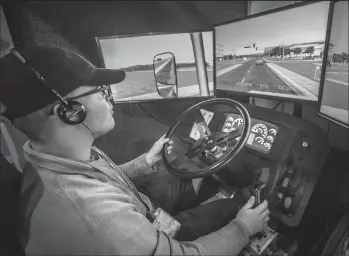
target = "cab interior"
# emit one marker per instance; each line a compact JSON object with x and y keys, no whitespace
{"x":307,"y":151}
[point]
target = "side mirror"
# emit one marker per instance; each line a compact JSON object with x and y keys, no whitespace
{"x":165,"y":73}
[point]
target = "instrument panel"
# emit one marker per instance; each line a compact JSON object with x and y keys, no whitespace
{"x":262,"y":135}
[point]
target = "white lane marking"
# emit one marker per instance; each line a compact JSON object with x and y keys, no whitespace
{"x":336,"y":81}
{"x":161,"y":66}
{"x":243,"y":80}
{"x":298,"y":83}
{"x":225,"y":70}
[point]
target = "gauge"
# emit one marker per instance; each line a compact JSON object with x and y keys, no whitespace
{"x":272,"y":131}
{"x":238,"y":122}
{"x":261,"y":129}
{"x":259,"y":140}
{"x":228,"y":124}
{"x":228,"y":129}
{"x":267,"y":145}
{"x":230,"y":119}
{"x":270,"y":138}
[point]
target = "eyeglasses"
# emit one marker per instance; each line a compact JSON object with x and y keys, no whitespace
{"x":104,"y":90}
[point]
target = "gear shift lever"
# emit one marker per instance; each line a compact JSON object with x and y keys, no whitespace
{"x":260,"y":242}
{"x":257,"y":190}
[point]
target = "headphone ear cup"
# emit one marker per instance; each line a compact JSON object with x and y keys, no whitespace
{"x":74,"y":113}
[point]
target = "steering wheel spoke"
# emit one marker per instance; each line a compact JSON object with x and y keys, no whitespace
{"x":193,"y":152}
{"x":222,"y":137}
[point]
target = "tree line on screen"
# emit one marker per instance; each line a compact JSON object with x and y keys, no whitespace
{"x":284,"y":51}
{"x":335,"y":58}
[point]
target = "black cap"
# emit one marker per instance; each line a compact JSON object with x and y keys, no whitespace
{"x":22,"y":92}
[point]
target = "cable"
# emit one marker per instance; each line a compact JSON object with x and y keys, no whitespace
{"x":89,"y":130}
{"x":95,"y":139}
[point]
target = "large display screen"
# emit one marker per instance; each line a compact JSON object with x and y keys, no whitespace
{"x":277,"y":54}
{"x":333,"y":103}
{"x":160,"y":66}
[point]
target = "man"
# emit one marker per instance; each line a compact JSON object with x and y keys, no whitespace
{"x":74,"y":199}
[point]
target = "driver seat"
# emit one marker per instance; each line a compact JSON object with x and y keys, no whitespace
{"x":10,"y":185}
{"x":11,"y":165}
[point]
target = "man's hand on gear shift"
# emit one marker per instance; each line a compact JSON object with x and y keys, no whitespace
{"x":254,"y":219}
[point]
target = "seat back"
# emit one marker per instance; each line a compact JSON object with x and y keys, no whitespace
{"x":11,"y":165}
{"x":10,"y":185}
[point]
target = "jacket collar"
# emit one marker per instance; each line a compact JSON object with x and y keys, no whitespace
{"x":56,"y":163}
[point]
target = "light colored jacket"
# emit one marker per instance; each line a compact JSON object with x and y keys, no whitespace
{"x":70,"y":207}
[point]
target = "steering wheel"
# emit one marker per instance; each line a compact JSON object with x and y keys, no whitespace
{"x":208,"y":142}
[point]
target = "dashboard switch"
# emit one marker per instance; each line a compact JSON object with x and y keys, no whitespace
{"x":288,"y":202}
{"x":285,"y":182}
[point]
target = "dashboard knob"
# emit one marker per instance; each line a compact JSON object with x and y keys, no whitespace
{"x":288,"y":202}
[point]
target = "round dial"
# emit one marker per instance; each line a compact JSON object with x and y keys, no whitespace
{"x":238,"y":122}
{"x":260,"y":129}
{"x":267,"y":145}
{"x":270,"y":138}
{"x":272,"y":131}
{"x":260,"y":140}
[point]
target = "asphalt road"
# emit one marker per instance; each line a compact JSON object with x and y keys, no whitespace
{"x":250,"y":76}
{"x":143,"y":82}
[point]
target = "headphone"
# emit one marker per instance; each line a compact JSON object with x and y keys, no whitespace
{"x":70,"y":112}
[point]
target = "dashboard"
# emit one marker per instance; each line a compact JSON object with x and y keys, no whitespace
{"x":284,"y":152}
{"x":262,"y":134}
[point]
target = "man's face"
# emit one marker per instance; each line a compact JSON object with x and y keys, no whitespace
{"x":99,"y":116}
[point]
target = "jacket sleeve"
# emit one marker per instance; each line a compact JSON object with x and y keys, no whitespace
{"x":128,"y":232}
{"x":123,"y":230}
{"x":137,"y":168}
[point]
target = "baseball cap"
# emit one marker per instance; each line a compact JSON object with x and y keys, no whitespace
{"x":22,"y":92}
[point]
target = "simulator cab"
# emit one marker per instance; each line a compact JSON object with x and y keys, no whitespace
{"x":225,"y":146}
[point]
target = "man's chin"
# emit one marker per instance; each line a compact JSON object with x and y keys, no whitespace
{"x":105,"y":131}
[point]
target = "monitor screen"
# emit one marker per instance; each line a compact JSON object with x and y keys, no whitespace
{"x":160,"y":66}
{"x":333,"y":102}
{"x":276,"y":54}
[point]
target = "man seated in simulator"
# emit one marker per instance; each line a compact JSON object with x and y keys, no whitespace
{"x":74,"y":199}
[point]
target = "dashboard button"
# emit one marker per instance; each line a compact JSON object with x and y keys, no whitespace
{"x":285,"y":182}
{"x":288,"y":202}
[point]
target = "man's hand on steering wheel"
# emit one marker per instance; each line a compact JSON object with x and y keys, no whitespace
{"x":154,"y":154}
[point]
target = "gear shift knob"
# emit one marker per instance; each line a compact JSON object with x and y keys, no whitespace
{"x":257,"y":190}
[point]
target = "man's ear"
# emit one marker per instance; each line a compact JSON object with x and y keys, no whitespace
{"x":54,"y":110}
